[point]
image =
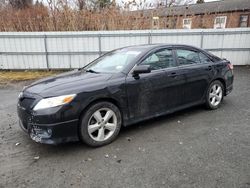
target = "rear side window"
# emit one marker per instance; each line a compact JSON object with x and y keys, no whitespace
{"x":204,"y":58}
{"x":160,"y":60}
{"x":187,"y":57}
{"x":214,"y":57}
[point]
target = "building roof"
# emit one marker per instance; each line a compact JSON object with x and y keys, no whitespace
{"x":209,"y":7}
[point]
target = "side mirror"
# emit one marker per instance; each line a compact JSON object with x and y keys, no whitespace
{"x":140,"y":69}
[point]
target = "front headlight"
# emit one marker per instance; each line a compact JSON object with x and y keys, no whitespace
{"x":54,"y":101}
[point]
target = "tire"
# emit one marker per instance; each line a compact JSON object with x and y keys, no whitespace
{"x":100,"y":124}
{"x":214,"y":95}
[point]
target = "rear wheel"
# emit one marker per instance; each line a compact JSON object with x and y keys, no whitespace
{"x":100,"y":124}
{"x":214,"y":95}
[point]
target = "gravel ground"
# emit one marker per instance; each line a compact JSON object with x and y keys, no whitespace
{"x":191,"y":148}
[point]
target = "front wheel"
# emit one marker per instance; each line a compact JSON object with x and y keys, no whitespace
{"x":214,"y":95}
{"x":100,"y":124}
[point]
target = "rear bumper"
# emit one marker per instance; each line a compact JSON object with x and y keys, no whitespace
{"x":47,"y":132}
{"x":229,"y":79}
{"x":229,"y":90}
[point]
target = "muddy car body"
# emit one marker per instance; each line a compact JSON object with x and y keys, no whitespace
{"x":91,"y":103}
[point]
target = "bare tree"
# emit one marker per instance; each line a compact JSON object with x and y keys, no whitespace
{"x":200,"y":1}
{"x":3,"y":3}
{"x":19,"y":4}
{"x":169,"y":3}
{"x":81,"y":4}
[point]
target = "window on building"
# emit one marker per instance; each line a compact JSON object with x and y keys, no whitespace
{"x":243,"y":20}
{"x":155,"y":23}
{"x":187,"y":23}
{"x":220,"y":22}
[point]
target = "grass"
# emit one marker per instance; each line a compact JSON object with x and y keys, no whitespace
{"x":17,"y":76}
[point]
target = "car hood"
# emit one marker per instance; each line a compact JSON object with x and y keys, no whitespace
{"x":67,"y":83}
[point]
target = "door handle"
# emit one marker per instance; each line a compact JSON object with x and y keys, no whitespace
{"x":173,"y":74}
{"x":209,"y":68}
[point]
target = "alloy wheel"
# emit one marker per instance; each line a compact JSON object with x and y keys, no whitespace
{"x":215,"y":95}
{"x":102,"y":124}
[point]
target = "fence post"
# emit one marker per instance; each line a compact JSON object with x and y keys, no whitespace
{"x":221,"y":52}
{"x":202,"y":36}
{"x":46,"y":51}
{"x":149,"y":38}
{"x":99,"y":45}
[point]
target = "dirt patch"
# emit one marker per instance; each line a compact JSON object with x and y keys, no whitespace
{"x":8,"y":77}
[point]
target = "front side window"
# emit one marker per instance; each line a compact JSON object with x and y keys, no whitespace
{"x":243,"y":20}
{"x":220,"y":22}
{"x":160,"y":60}
{"x":187,"y":57}
{"x":114,"y":62}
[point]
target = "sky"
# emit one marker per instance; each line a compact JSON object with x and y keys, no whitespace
{"x":146,"y":3}
{"x":122,"y":2}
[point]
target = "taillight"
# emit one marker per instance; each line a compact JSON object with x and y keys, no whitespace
{"x":230,"y":66}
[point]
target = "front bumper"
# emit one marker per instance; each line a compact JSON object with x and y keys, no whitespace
{"x":52,"y":133}
{"x":50,"y":130}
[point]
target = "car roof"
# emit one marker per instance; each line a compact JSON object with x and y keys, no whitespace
{"x":147,"y":47}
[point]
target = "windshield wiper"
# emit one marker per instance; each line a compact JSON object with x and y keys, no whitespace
{"x":91,"y":71}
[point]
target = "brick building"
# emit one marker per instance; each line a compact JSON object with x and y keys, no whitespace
{"x":218,"y":14}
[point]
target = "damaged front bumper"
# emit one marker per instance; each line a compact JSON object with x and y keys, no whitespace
{"x":41,"y":127}
{"x":52,"y":133}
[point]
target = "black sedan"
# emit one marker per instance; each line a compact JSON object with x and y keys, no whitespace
{"x":121,"y":88}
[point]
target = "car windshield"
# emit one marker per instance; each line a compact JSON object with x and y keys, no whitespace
{"x":114,"y":61}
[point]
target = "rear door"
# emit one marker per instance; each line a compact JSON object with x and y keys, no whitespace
{"x":198,"y":70}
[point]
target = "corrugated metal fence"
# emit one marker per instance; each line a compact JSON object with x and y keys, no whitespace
{"x":57,"y":50}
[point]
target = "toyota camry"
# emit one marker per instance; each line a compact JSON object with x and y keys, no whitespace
{"x":120,"y":88}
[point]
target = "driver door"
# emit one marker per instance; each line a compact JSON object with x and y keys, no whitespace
{"x":154,"y":93}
